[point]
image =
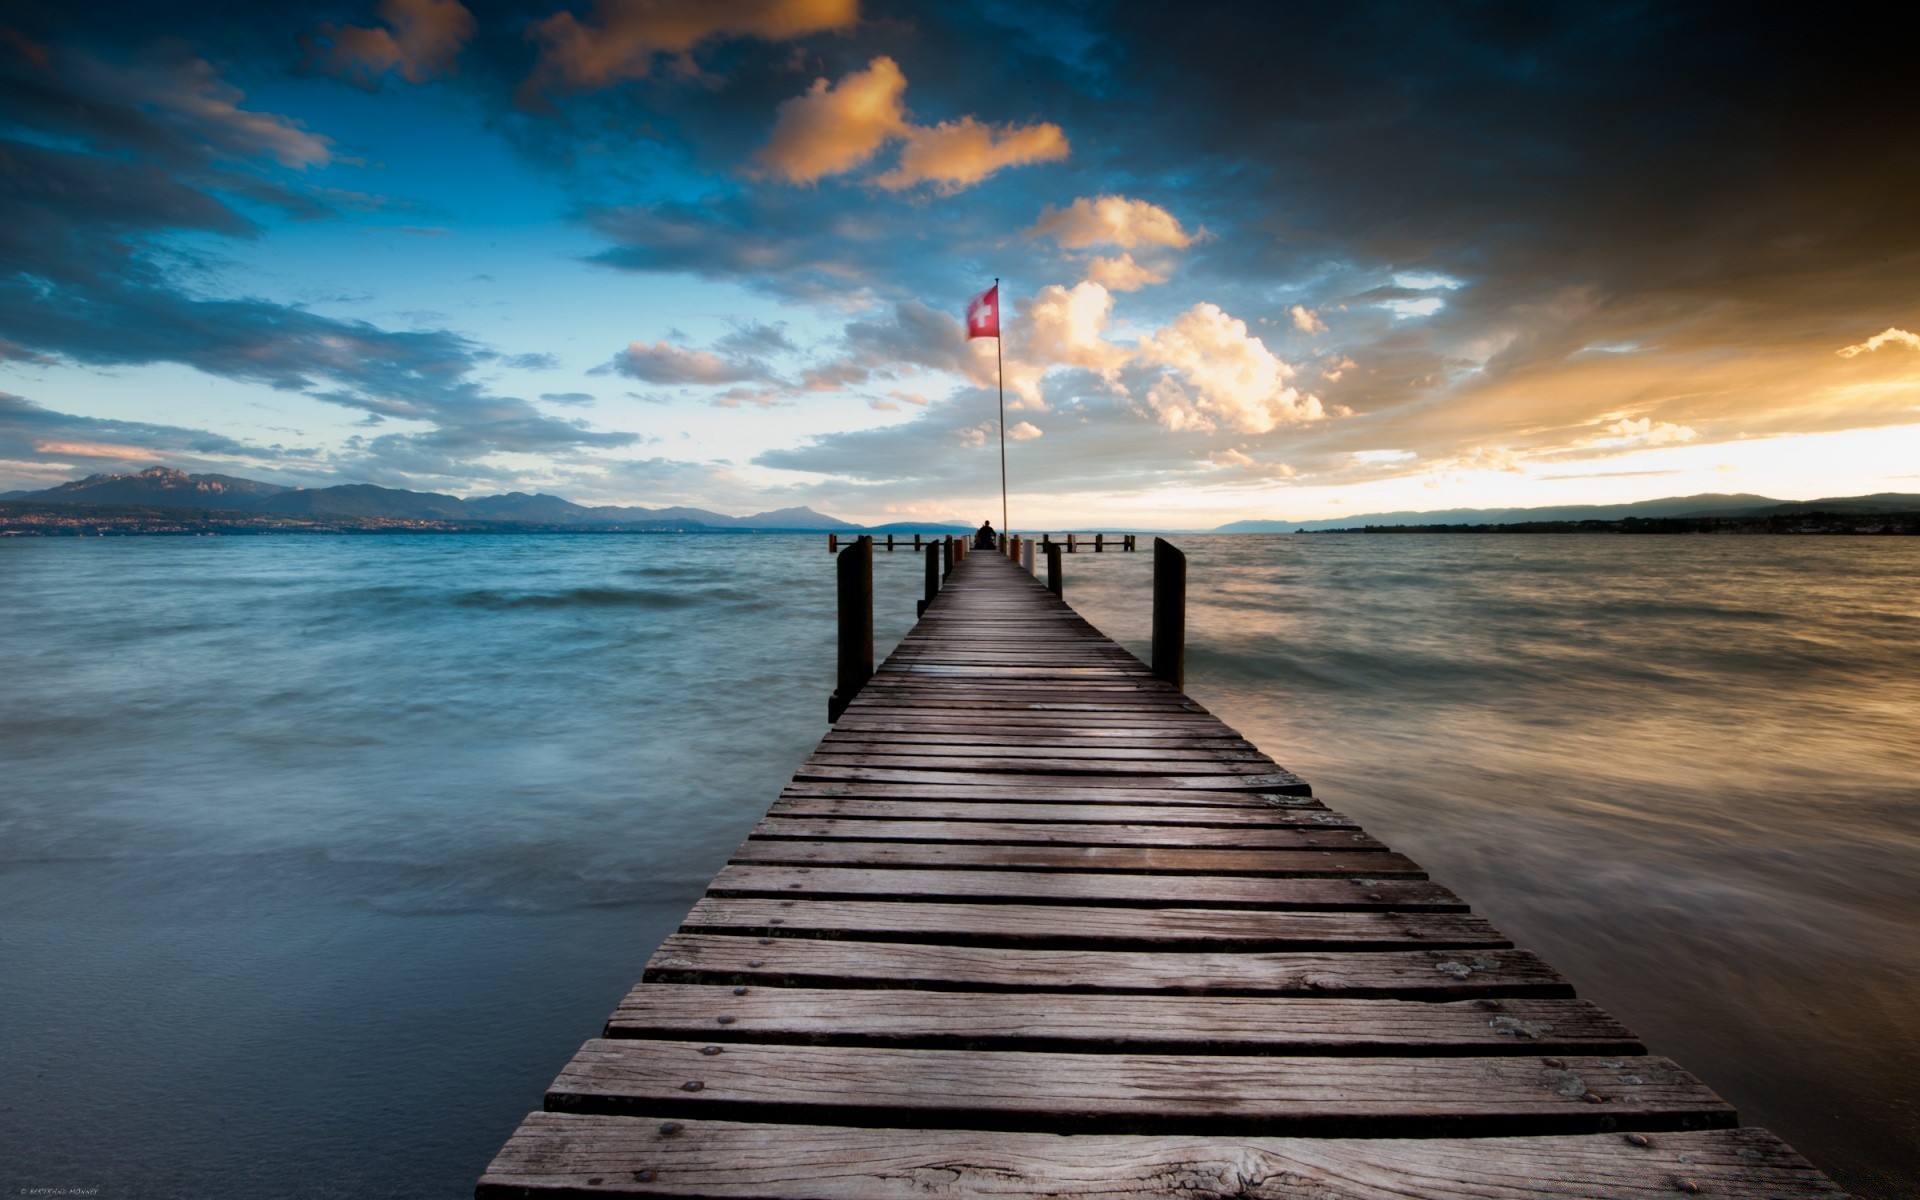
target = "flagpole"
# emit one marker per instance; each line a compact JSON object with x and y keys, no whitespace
{"x":1001,"y":366}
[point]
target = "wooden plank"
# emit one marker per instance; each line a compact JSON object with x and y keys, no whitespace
{"x":1067,"y":926}
{"x":1085,"y":1023}
{"x":1218,"y":1094}
{"x":814,"y":962}
{"x":571,"y":1154}
{"x":841,"y":747}
{"x":1038,"y":887}
{"x":1245,"y":836}
{"x":1156,"y":860}
{"x":962,"y":788}
{"x":1276,"y":781}
{"x":1044,"y":759}
{"x":1244,"y":816}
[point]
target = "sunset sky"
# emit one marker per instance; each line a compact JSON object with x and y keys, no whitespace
{"x":1268,"y":260}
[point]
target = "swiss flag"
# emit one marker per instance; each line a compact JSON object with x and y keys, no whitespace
{"x":983,"y":314}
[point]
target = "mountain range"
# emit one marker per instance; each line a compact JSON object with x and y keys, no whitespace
{"x":1711,"y":504}
{"x":163,"y":487}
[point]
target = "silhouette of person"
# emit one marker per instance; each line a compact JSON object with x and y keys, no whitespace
{"x":986,"y":539}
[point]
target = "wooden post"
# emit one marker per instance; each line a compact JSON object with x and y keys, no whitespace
{"x":1099,"y":543}
{"x":933,"y":577}
{"x":1169,"y":613}
{"x":855,"y":569}
{"x":1072,"y":540}
{"x":916,"y":541}
{"x":889,"y":543}
{"x":1056,"y":582}
{"x":1026,"y":561}
{"x":946,"y":555}
{"x":833,"y":543}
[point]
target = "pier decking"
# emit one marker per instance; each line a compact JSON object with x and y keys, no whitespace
{"x":1024,"y":889}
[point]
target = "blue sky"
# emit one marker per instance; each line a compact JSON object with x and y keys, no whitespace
{"x":1259,"y":261}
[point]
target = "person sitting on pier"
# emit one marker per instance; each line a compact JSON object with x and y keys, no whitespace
{"x":986,"y":539}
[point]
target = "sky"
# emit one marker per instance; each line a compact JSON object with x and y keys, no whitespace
{"x":1269,"y":260}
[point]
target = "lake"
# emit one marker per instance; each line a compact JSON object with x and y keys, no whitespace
{"x":320,"y":855}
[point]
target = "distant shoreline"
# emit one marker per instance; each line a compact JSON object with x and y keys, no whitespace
{"x":30,"y":518}
{"x":1849,"y":524}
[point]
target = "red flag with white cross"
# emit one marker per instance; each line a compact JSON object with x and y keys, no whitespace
{"x":983,"y":314}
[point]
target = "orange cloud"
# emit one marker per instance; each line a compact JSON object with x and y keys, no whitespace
{"x":92,"y":450}
{"x":831,"y":129}
{"x":1121,"y":274}
{"x":1222,"y":376}
{"x":619,"y":39}
{"x":955,"y":155}
{"x":834,"y":128}
{"x":1111,"y":221}
{"x":421,"y":40}
{"x":1895,"y":337}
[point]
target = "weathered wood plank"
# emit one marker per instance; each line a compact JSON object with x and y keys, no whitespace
{"x":1242,"y":816}
{"x":1043,"y":762}
{"x":1039,"y":887}
{"x":1276,"y":781}
{"x":812,"y":962}
{"x":1133,"y":1024}
{"x":842,"y":747}
{"x":1245,"y":836}
{"x":962,"y":788}
{"x":577,"y":1155}
{"x":1157,"y":860}
{"x":1063,"y":926}
{"x":1219,"y":1094}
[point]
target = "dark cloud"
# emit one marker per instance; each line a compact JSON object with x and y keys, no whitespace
{"x":150,"y":150}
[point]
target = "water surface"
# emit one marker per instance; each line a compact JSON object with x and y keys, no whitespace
{"x":320,"y":855}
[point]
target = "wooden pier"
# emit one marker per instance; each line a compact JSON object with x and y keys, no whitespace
{"x":1030,"y":921}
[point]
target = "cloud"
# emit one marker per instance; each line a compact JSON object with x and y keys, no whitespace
{"x":1111,"y":221}
{"x":568,"y":397}
{"x":43,"y":441}
{"x":420,"y":41}
{"x":831,"y":129}
{"x":1890,"y":337}
{"x":1121,"y":274}
{"x":1306,"y":320}
{"x":1221,"y":376}
{"x":622,"y":39}
{"x":1067,"y":326}
{"x":176,"y":109}
{"x":664,"y":362}
{"x":135,"y":157}
{"x":836,"y":128}
{"x":955,"y":155}
{"x":1240,"y":463}
{"x":1024,"y":431}
{"x":1648,"y":432}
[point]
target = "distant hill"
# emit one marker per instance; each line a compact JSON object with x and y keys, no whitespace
{"x":1708,"y":505}
{"x":157,"y":486}
{"x":163,"y":487}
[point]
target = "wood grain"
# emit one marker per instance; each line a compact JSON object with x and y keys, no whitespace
{"x":572,"y":1155}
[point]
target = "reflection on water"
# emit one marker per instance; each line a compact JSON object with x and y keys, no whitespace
{"x":1683,"y":769}
{"x":320,"y":855}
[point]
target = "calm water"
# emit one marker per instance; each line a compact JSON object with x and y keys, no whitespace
{"x":318,"y":856}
